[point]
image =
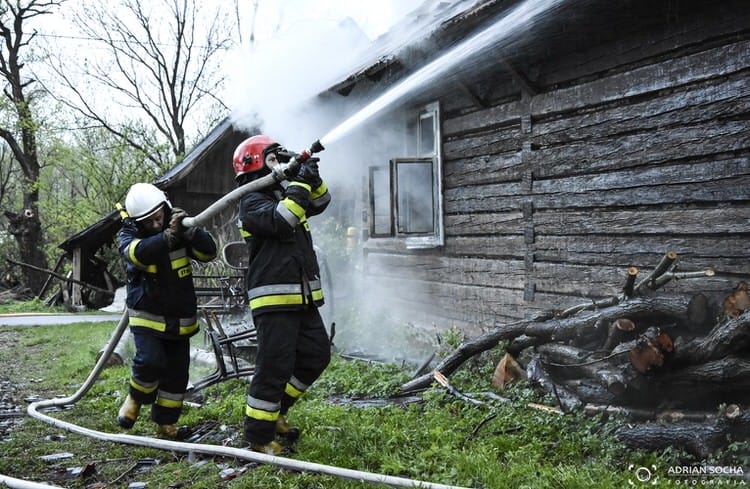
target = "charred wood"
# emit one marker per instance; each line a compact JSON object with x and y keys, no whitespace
{"x":664,"y":264}
{"x":699,"y":439}
{"x":628,"y":288}
{"x":721,"y":381}
{"x":655,"y":308}
{"x":537,"y":376}
{"x":622,"y":329}
{"x":588,"y":390}
{"x":726,"y":338}
{"x":546,"y":328}
{"x":645,"y":414}
{"x":468,"y":349}
{"x":518,"y":345}
{"x":577,"y":362}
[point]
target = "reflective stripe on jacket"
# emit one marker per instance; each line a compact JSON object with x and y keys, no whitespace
{"x":161,"y":296}
{"x":283,"y":272}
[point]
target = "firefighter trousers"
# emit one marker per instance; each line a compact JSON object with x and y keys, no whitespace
{"x":160,"y":374}
{"x":293,"y":351}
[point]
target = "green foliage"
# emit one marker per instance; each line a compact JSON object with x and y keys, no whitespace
{"x":359,"y":379}
{"x":34,"y":305}
{"x":439,"y":438}
{"x":89,"y":176}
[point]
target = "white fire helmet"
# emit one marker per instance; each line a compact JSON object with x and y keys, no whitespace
{"x":143,"y":200}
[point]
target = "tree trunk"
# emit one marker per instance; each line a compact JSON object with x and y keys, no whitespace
{"x":699,"y":439}
{"x":27,"y":230}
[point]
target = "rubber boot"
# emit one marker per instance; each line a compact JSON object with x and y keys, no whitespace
{"x":128,"y":413}
{"x":270,"y":448}
{"x":172,"y":431}
{"x":167,"y":431}
{"x":289,"y":433}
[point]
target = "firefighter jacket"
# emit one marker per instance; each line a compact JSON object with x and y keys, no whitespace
{"x":161,"y":297}
{"x":283,"y":273}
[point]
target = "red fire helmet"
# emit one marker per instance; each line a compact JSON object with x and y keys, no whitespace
{"x":250,"y":154}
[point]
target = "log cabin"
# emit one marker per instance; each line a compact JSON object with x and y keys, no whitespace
{"x":587,"y":141}
{"x":536,"y":171}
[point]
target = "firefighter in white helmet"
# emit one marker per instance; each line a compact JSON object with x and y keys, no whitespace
{"x":161,"y":302}
{"x":284,"y":289}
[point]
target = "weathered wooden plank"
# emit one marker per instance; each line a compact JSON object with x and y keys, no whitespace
{"x":718,"y":220}
{"x":490,"y":198}
{"x":482,"y":224}
{"x":705,"y":99}
{"x":722,"y":137}
{"x":492,"y":141}
{"x":473,"y":304}
{"x":723,"y":254}
{"x":712,"y":63}
{"x":694,"y":31}
{"x":502,"y":197}
{"x":706,"y":172}
{"x":577,"y":280}
{"x":623,"y":152}
{"x":692,"y":104}
{"x":719,"y":190}
{"x":483,"y":169}
{"x":505,"y":114}
{"x":505,"y":247}
{"x":447,"y":269}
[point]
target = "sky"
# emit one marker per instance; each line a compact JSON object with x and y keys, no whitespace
{"x":301,"y":49}
{"x":374,"y":17}
{"x":299,"y":45}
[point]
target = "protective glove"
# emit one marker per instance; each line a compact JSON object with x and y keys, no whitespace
{"x":309,"y":173}
{"x":175,"y":224}
{"x":171,"y":238}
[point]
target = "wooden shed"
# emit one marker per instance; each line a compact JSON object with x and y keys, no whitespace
{"x":201,"y":178}
{"x":535,"y":171}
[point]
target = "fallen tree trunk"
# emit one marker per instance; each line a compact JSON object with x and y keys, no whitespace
{"x":699,"y":439}
{"x":567,"y":400}
{"x":467,"y":350}
{"x":572,"y":361}
{"x":724,"y":339}
{"x":668,"y":307}
{"x":546,"y":328}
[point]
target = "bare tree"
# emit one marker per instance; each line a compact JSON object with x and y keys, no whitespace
{"x":160,"y":66}
{"x":20,"y":129}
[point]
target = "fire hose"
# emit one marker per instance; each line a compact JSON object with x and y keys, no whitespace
{"x":279,"y":173}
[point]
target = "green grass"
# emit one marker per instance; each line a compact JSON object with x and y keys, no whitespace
{"x":435,"y":440}
{"x":34,"y":305}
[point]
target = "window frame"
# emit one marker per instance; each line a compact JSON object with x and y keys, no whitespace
{"x":412,"y":240}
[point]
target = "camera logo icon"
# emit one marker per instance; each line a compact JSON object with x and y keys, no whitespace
{"x":643,"y":475}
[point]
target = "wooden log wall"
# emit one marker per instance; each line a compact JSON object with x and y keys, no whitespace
{"x":550,"y":197}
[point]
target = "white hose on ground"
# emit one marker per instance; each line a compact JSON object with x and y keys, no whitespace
{"x":13,"y":483}
{"x":215,"y":450}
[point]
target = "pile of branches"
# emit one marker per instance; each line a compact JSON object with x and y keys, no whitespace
{"x":680,"y":360}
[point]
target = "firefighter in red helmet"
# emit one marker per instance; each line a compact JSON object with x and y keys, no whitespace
{"x":284,"y":289}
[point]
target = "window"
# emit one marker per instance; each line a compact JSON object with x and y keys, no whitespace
{"x":406,"y":196}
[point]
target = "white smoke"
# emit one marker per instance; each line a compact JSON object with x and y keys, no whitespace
{"x":276,"y":85}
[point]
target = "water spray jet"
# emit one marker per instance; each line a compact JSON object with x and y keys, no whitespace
{"x":504,"y":27}
{"x":490,"y":36}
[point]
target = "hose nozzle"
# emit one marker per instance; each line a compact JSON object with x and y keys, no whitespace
{"x":281,"y":172}
{"x":316,"y":147}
